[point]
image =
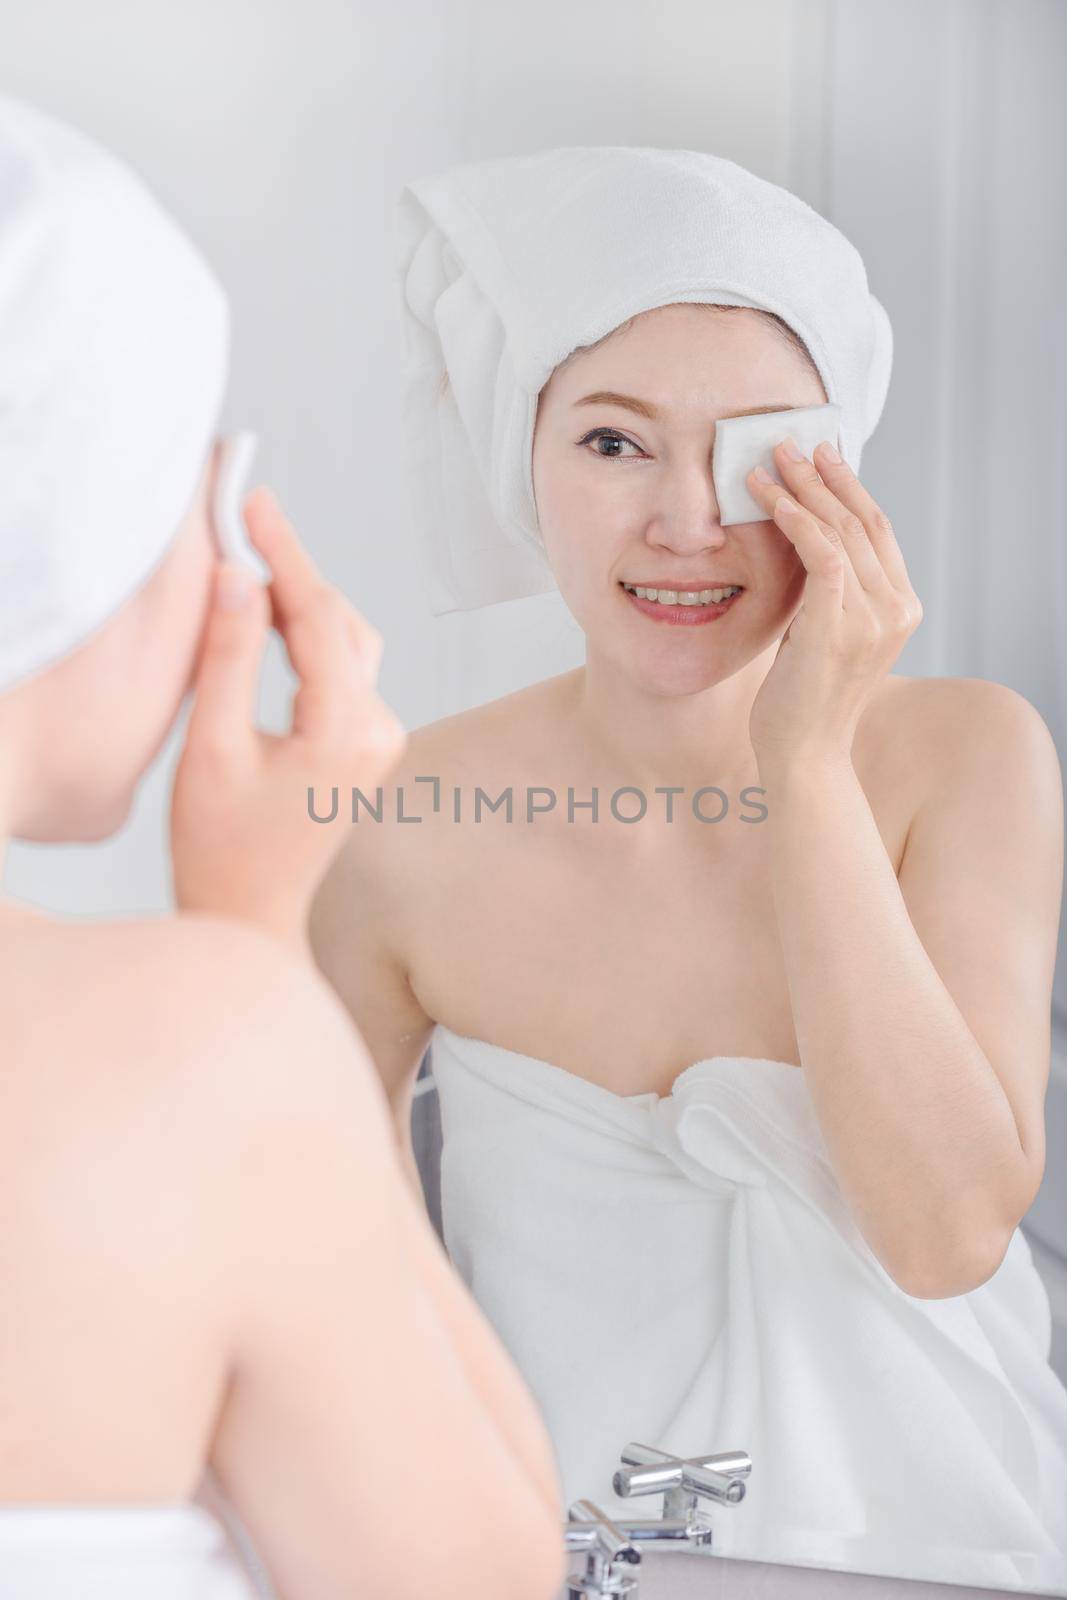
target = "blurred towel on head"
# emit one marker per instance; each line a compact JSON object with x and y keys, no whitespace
{"x":114,"y":345}
{"x":507,"y":266}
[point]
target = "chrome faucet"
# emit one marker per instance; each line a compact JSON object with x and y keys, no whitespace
{"x":611,"y":1544}
{"x":682,"y":1480}
{"x":608,"y":1552}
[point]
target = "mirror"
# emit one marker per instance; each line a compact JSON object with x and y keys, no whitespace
{"x":716,"y":982}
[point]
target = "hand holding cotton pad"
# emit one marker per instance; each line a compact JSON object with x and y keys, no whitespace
{"x":742,"y":443}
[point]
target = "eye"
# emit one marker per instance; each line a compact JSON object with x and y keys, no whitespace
{"x":615,"y":438}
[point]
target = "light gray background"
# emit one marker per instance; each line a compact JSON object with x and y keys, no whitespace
{"x":931,"y":131}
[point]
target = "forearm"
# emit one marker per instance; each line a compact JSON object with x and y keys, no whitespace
{"x":486,"y":1365}
{"x":917,"y":1125}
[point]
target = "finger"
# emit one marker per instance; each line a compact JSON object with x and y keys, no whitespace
{"x":829,"y":570}
{"x":294,"y":575}
{"x":333,"y":672}
{"x":358,"y":752}
{"x":295,"y":580}
{"x":819,"y":546}
{"x":329,"y":644}
{"x":805,"y":484}
{"x":222,"y":718}
{"x":367,"y":641}
{"x":772,"y":494}
{"x":850,"y":491}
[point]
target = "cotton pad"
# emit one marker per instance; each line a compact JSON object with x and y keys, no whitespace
{"x":235,"y":461}
{"x":742,"y":443}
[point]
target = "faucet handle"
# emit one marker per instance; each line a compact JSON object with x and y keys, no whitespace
{"x":682,"y":1480}
{"x":608,"y":1552}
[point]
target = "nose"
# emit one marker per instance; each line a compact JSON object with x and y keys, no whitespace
{"x":685,"y":515}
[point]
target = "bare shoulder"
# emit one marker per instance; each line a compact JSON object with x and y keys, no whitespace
{"x":505,"y":727}
{"x":401,"y":860}
{"x":192,"y":1063}
{"x":226,"y":963}
{"x":953,"y":718}
{"x":968,"y":740}
{"x":390,"y":832}
{"x":146,"y":1001}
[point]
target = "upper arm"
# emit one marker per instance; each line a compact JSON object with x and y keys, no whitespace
{"x":353,"y":932}
{"x":982,"y":877}
{"x":347,"y":1401}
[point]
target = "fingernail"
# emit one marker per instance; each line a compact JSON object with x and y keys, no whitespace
{"x":233,"y":587}
{"x":762,"y":475}
{"x":830,"y":453}
{"x":792,"y":449}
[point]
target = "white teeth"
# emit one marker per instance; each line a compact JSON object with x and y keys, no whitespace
{"x":676,"y":597}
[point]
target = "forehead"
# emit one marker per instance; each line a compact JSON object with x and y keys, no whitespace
{"x":677,"y":358}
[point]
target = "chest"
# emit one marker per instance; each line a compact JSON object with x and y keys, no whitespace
{"x":618,"y":957}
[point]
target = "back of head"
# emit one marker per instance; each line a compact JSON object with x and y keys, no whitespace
{"x":114,"y":340}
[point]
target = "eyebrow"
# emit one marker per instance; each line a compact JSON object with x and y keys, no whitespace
{"x":607,"y":397}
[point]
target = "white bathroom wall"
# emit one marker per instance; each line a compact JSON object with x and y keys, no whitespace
{"x":962,"y":203}
{"x":948,"y":169}
{"x":931,"y":131}
{"x":279,"y":135}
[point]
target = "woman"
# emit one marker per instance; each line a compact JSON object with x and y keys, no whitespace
{"x":740,"y":1112}
{"x":211,"y":1257}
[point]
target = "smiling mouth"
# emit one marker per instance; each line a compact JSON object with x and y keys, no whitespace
{"x":674,"y":596}
{"x":682,"y":609}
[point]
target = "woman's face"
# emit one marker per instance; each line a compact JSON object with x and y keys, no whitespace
{"x":637,"y":504}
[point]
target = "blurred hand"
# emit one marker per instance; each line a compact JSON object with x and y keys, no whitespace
{"x":242,"y":840}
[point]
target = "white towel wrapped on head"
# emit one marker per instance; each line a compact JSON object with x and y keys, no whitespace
{"x":114,"y":340}
{"x":509,"y":265}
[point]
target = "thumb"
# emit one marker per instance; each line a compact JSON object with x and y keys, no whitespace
{"x":227,"y":677}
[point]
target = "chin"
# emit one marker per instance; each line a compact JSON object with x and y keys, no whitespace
{"x":81,"y":818}
{"x":674,"y":679}
{"x":102,"y":820}
{"x":110,"y":821}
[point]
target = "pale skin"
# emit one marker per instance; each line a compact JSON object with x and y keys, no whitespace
{"x":890,"y":928}
{"x":211,"y":1255}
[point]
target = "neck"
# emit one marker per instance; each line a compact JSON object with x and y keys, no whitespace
{"x":684,"y":740}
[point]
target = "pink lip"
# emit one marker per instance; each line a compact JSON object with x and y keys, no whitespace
{"x":686,"y":616}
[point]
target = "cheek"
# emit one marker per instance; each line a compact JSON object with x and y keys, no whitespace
{"x":172,"y":625}
{"x":557,"y":489}
{"x":96,"y":751}
{"x":162,"y":651}
{"x":586,"y":531}
{"x":572,"y":489}
{"x":776,"y":558}
{"x":582,"y":561}
{"x":196,"y":604}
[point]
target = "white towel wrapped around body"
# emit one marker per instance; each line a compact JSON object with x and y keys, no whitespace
{"x":119,"y":1552}
{"x":683,"y":1271}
